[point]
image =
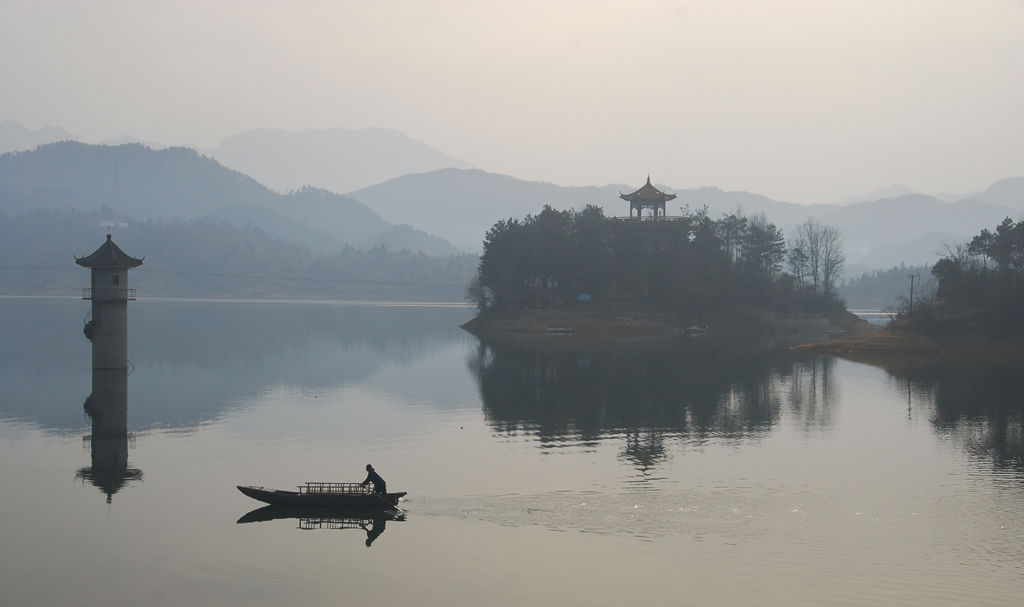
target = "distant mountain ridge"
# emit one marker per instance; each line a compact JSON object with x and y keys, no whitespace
{"x":339,"y":160}
{"x":892,"y":191}
{"x":15,"y":137}
{"x":180,"y":183}
{"x":156,"y":145}
{"x":461,"y":205}
{"x":920,"y":251}
{"x":1005,"y":192}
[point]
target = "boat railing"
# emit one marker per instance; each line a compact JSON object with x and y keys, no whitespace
{"x":333,"y":523}
{"x":334,"y":489}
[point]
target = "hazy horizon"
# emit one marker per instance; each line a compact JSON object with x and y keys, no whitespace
{"x":806,"y":102}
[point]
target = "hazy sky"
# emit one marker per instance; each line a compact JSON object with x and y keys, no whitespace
{"x":805,"y":101}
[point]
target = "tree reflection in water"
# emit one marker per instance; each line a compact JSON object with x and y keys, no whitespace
{"x":645,"y":397}
{"x":977,"y":403}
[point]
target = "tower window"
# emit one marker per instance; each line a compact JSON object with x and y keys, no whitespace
{"x":117,"y":279}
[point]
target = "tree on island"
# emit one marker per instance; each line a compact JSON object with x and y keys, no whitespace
{"x":981,"y":285}
{"x":691,"y":264}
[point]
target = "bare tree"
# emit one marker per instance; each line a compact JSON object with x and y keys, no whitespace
{"x":798,"y":263}
{"x":807,"y":240}
{"x":817,"y":255}
{"x":832,"y":259}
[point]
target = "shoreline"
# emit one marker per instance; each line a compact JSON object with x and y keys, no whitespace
{"x":894,"y":342}
{"x":611,"y":326}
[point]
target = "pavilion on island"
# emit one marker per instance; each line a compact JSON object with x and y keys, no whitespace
{"x":647,"y":197}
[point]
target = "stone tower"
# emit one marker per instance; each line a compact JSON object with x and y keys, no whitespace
{"x":107,"y":329}
{"x":109,"y":292}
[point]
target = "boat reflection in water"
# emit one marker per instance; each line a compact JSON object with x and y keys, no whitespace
{"x":371,"y":520}
{"x":108,"y":409}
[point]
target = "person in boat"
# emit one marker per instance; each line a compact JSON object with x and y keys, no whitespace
{"x":379,"y":486}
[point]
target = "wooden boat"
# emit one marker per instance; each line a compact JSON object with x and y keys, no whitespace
{"x":353,"y":495}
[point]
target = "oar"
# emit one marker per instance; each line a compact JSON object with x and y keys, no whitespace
{"x":395,"y":505}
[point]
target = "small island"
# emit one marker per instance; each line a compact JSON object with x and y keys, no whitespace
{"x":582,"y":278}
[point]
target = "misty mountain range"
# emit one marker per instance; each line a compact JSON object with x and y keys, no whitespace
{"x":143,"y":183}
{"x":15,"y":137}
{"x":422,"y":199}
{"x":911,"y":228}
{"x":339,"y":160}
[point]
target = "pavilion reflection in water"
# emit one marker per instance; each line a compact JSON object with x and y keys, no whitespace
{"x":650,"y":398}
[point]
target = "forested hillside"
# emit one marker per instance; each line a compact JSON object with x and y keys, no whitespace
{"x":206,"y":259}
{"x":131,"y":178}
{"x":179,"y":183}
{"x":880,"y":289}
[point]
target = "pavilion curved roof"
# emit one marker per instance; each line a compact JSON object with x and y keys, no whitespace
{"x":109,"y":255}
{"x":648,"y":193}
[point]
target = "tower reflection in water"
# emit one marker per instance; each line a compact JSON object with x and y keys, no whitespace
{"x":109,"y":441}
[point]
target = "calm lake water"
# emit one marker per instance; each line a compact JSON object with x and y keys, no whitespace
{"x":692,"y":475}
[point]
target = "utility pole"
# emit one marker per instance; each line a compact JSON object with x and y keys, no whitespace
{"x":911,"y":276}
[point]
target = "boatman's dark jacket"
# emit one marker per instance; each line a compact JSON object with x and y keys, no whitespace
{"x":379,"y":486}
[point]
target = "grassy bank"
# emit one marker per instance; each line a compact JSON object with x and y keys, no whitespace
{"x":920,"y":338}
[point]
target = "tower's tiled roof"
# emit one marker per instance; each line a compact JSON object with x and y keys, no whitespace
{"x":109,"y":255}
{"x":647,"y":193}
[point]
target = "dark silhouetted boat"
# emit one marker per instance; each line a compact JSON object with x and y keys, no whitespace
{"x":334,"y":495}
